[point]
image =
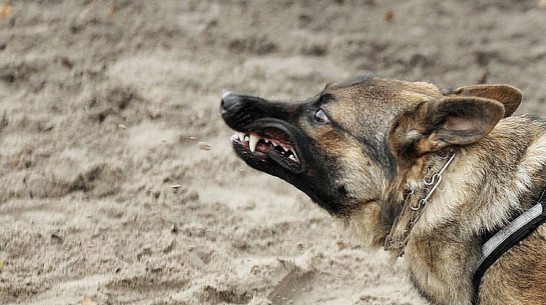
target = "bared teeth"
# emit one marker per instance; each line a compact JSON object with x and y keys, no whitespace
{"x":253,"y":142}
{"x":253,"y":139}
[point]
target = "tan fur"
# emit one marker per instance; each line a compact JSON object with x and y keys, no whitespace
{"x":443,"y":247}
{"x":387,"y":137}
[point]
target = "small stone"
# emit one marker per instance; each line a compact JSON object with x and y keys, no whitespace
{"x":204,"y":146}
{"x":176,"y":187}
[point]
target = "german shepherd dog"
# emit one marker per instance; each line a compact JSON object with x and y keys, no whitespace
{"x":367,"y":149}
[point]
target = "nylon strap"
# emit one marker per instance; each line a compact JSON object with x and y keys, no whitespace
{"x":509,"y":236}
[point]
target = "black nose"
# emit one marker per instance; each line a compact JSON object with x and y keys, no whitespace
{"x":240,"y":111}
{"x":229,"y":100}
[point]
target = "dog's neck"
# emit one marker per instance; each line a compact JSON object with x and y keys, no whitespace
{"x":416,"y":196}
{"x":482,"y":173}
{"x":374,"y":221}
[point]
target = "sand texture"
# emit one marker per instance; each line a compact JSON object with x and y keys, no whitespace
{"x":118,"y":182}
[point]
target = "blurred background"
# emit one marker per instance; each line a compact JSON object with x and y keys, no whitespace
{"x":119,"y":185}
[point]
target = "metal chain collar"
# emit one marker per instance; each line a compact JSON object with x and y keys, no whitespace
{"x":398,"y":237}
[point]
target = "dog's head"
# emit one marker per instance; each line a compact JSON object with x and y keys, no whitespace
{"x":343,"y":147}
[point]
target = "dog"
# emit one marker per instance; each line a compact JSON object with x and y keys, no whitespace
{"x":426,"y":173}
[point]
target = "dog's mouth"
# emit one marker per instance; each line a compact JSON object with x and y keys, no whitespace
{"x":268,"y":144}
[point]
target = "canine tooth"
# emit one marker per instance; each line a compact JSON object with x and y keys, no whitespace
{"x":292,"y":157}
{"x":294,"y":154}
{"x":253,"y":141}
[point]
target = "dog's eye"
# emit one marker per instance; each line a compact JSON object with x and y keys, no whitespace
{"x":320,"y":117}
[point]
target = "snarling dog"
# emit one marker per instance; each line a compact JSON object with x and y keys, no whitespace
{"x":426,"y":173}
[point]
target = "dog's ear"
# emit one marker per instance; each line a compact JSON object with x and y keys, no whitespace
{"x":449,"y":121}
{"x":509,"y":96}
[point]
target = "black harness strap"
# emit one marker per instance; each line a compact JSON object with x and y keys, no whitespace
{"x":509,"y":236}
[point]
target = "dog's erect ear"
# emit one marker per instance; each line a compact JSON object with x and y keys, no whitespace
{"x":509,"y":96}
{"x":461,"y":120}
{"x":450,"y":121}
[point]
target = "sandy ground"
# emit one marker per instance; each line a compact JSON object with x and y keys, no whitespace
{"x":109,"y":194}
